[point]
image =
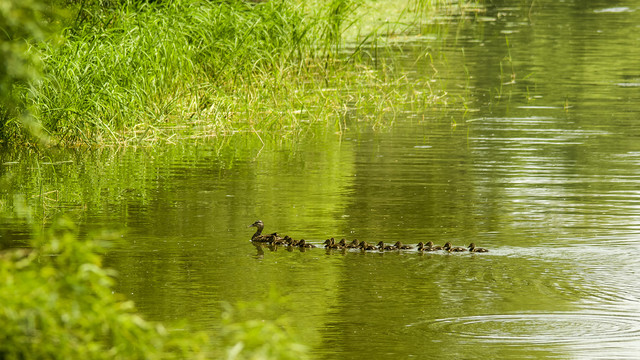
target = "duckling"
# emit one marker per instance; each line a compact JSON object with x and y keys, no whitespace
{"x":382,"y":246}
{"x":354,"y":244}
{"x":343,"y":244}
{"x":303,"y":244}
{"x":258,"y":235}
{"x":276,"y":240}
{"x":331,"y":244}
{"x":422,"y":247}
{"x":451,"y":248}
{"x":290,"y":242}
{"x":473,"y":248}
{"x":400,"y":246}
{"x":366,"y":246}
{"x":432,"y":247}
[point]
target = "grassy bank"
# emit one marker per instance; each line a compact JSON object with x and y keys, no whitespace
{"x":182,"y":69}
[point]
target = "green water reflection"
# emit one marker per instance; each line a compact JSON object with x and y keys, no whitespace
{"x":541,"y":167}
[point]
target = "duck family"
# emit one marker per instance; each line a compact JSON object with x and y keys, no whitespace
{"x":274,"y":239}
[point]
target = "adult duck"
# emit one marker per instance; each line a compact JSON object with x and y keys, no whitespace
{"x":473,"y":248}
{"x":450,"y":248}
{"x":258,"y":237}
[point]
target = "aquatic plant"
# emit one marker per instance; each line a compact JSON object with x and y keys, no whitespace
{"x":145,"y":67}
{"x":136,"y":72}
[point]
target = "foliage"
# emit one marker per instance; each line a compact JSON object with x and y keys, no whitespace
{"x":163,"y":63}
{"x":247,"y":337}
{"x":133,"y":70}
{"x":57,"y":303}
{"x":21,"y":23}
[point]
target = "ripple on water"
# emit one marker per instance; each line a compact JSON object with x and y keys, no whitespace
{"x":577,"y":329}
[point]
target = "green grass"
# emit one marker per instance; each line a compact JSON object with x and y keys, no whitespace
{"x":184,"y":69}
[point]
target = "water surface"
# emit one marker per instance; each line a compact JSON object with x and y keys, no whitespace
{"x":537,"y":158}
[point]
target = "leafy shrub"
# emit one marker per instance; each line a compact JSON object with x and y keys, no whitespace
{"x":57,"y":302}
{"x":258,"y":330}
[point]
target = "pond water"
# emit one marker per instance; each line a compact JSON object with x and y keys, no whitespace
{"x":539,"y":162}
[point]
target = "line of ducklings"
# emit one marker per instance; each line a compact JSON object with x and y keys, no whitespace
{"x":274,"y":240}
{"x":381,"y":246}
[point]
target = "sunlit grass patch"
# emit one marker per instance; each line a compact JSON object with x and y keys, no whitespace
{"x":185,"y":69}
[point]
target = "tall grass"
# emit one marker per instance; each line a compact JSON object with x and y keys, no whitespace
{"x":144,"y":65}
{"x":134,"y":73}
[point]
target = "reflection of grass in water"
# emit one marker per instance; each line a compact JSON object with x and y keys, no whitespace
{"x":111,"y":183}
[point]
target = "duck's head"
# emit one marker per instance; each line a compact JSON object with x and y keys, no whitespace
{"x":257,"y":224}
{"x":472,"y":246}
{"x":420,"y":244}
{"x":381,"y":243}
{"x":429,"y":244}
{"x":397,"y":244}
{"x":342,"y":242}
{"x":328,"y":242}
{"x":447,"y":245}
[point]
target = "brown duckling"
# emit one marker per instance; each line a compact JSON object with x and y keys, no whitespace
{"x":451,"y":248}
{"x":398,"y":245}
{"x":331,"y":244}
{"x":258,"y":234}
{"x":276,"y":240}
{"x":432,"y":247}
{"x":303,"y":244}
{"x":382,"y":246}
{"x":352,"y":245}
{"x":473,"y":248}
{"x":423,"y":247}
{"x":366,"y":246}
{"x":290,"y":242}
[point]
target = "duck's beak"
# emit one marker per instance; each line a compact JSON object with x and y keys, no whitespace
{"x":252,"y":225}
